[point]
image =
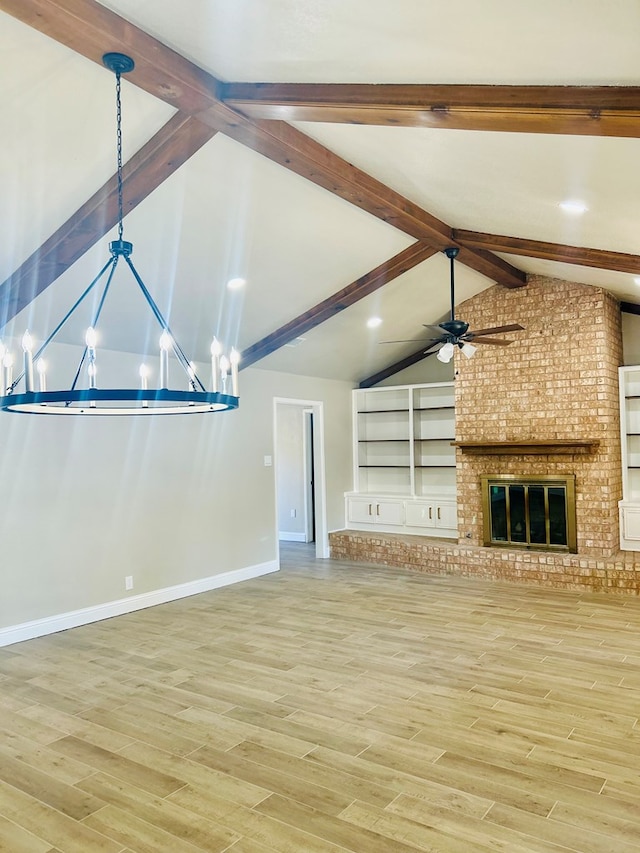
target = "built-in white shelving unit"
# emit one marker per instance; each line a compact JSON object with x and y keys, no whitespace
{"x":630,"y":428}
{"x":404,"y":465}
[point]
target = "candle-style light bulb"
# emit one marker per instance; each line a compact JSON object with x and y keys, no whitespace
{"x":3,"y":352}
{"x":224,"y":370}
{"x":144,"y":384}
{"x":91,"y":372}
{"x":166,"y":344}
{"x":41,"y":367}
{"x":27,"y":341}
{"x":216,"y":350}
{"x":234,"y":360}
{"x":7,"y":364}
{"x":27,"y":348}
{"x":90,"y":337}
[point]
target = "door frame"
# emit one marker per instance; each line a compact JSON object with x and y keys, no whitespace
{"x":319,"y":483}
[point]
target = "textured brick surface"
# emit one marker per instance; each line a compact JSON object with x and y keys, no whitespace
{"x":558,"y":380}
{"x":619,"y":572}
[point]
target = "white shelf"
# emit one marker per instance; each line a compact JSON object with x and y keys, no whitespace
{"x":629,"y":378}
{"x":402,"y":449}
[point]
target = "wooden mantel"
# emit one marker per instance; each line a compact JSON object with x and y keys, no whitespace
{"x":528,"y":447}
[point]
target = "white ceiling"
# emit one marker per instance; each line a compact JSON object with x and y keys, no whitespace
{"x":231,"y":212}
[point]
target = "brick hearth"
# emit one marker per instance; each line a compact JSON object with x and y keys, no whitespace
{"x":617,"y":573}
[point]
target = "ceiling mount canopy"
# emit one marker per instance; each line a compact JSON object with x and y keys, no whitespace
{"x":84,"y":396}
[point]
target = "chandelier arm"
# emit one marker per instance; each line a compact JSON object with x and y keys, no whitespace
{"x":114,"y":264}
{"x":180,"y":354}
{"x":41,"y":350}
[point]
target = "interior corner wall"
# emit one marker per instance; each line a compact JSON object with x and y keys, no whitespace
{"x":166,"y":500}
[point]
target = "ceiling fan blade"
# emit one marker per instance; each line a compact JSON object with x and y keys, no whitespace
{"x":514,"y":327}
{"x":414,"y":341}
{"x":436,"y":326}
{"x":494,"y":341}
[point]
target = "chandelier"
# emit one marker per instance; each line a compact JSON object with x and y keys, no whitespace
{"x":84,"y":395}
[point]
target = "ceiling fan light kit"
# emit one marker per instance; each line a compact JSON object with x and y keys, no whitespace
{"x":194,"y":398}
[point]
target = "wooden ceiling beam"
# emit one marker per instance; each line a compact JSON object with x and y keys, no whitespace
{"x":91,"y":29}
{"x":576,"y":110}
{"x":599,"y":258}
{"x":165,"y":152}
{"x":349,"y":295}
{"x":405,"y":362}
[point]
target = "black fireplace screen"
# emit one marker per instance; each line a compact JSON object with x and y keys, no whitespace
{"x":529,"y":513}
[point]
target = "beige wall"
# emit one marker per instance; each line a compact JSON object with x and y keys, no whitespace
{"x":168,"y":500}
{"x":290,"y":469}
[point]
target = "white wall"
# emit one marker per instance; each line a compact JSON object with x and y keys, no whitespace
{"x":290,"y":471}
{"x":168,"y":500}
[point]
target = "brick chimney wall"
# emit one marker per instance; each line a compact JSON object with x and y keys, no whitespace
{"x":557,"y":380}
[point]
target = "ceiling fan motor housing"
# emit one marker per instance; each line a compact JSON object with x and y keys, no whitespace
{"x":456,"y":328}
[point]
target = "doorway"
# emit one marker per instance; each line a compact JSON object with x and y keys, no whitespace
{"x":300,"y":473}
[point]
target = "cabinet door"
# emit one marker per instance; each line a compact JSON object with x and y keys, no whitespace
{"x":375,"y":511}
{"x":420,"y":514}
{"x":389,"y":512}
{"x":447,"y":515}
{"x":361,"y":510}
{"x":631,"y":523}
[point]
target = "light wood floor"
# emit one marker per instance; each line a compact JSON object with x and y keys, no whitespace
{"x":329,"y":707}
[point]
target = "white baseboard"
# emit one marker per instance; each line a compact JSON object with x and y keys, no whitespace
{"x":283,"y":536}
{"x":75,"y":618}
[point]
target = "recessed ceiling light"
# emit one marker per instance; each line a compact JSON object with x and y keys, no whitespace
{"x":572,"y":206}
{"x":374,"y":322}
{"x":236,"y":283}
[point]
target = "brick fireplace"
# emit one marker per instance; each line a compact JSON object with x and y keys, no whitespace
{"x":547,"y":405}
{"x":556,"y":384}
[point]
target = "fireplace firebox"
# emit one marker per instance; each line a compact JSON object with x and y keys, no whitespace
{"x":529,"y":512}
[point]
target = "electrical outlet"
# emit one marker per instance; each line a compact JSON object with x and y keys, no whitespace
{"x":128,"y":582}
{"x":293,"y":513}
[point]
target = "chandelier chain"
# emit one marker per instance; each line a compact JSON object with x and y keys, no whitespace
{"x":119,"y":149}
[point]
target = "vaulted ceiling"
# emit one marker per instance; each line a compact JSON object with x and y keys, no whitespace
{"x":326,"y":151}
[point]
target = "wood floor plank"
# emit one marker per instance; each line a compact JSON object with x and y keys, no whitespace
{"x":324,"y":799}
{"x":46,"y":789}
{"x":198,"y":776}
{"x":144,"y":776}
{"x":15,"y":839}
{"x":329,"y":707}
{"x":161,"y":813}
{"x":266,"y":831}
{"x":473,"y":832}
{"x":330,"y":827}
{"x":44,"y":822}
{"x":570,"y":837}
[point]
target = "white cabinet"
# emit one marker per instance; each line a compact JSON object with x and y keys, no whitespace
{"x":404,"y":465}
{"x":378,"y":511}
{"x":432,"y":515}
{"x":629,"y":378}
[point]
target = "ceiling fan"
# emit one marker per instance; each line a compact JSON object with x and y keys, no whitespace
{"x":456,"y":333}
